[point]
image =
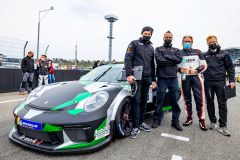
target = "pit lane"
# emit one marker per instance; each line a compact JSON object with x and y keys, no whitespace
{"x":201,"y":145}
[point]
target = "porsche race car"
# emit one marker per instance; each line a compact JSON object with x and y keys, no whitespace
{"x":78,"y":116}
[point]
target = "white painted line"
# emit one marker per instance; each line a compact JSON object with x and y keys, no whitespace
{"x":174,"y":157}
{"x":12,"y":101}
{"x":175,"y":137}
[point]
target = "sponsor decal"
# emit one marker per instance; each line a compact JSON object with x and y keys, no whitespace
{"x":150,"y":47}
{"x":34,"y":141}
{"x":130,"y":45}
{"x":102,"y":132}
{"x":129,"y":49}
{"x":29,"y":124}
{"x":184,"y":60}
{"x":46,"y":102}
{"x":141,"y":43}
{"x":188,"y":60}
{"x":120,"y":129}
{"x":172,"y":51}
{"x":219,"y":55}
{"x":207,"y":56}
{"x":193,"y":53}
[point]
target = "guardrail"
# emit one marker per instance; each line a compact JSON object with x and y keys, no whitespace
{"x":10,"y":79}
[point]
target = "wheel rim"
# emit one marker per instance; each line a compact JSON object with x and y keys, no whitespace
{"x":126,"y":118}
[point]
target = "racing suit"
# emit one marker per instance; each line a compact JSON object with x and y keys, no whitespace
{"x":42,"y":69}
{"x":195,"y":59}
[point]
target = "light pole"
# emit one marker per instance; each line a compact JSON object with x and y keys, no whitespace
{"x":111,"y":18}
{"x":51,"y":8}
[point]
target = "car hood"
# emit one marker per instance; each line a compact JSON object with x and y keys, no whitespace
{"x":60,"y":95}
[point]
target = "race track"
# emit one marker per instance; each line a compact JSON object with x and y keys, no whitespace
{"x":162,"y":143}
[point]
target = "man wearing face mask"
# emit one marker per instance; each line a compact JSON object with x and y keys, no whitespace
{"x":192,"y":65}
{"x":141,"y":53}
{"x":43,"y":67}
{"x":167,"y":58}
{"x":27,"y":66}
{"x":219,"y":62}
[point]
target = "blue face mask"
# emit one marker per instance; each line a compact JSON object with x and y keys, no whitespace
{"x":187,"y":45}
{"x":42,"y":59}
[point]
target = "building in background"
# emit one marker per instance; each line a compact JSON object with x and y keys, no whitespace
{"x":235,"y":54}
{"x":6,"y":62}
{"x":0,"y":60}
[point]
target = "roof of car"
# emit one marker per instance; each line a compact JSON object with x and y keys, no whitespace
{"x":113,"y":65}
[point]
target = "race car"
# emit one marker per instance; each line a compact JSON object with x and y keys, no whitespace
{"x":78,"y":116}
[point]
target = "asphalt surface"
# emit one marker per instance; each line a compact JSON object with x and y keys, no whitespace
{"x":151,"y":145}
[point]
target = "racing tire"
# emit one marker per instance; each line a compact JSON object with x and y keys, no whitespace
{"x":124,"y":118}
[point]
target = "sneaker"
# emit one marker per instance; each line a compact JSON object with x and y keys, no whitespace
{"x":212,"y":126}
{"x":224,"y":131}
{"x":155,"y":124}
{"x":22,"y":93}
{"x":202,"y":125}
{"x":144,"y":127}
{"x":177,"y":127}
{"x":188,"y":121}
{"x":134,"y":133}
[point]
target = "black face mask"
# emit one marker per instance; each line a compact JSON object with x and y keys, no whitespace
{"x":167,"y":42}
{"x":32,"y":55}
{"x":213,"y":46}
{"x":146,"y":38}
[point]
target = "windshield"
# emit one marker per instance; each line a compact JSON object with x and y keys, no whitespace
{"x":104,"y":74}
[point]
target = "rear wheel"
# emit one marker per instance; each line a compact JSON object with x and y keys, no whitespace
{"x":124,"y":118}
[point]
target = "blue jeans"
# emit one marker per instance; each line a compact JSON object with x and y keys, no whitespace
{"x":51,"y":78}
{"x":162,"y":85}
{"x":140,"y":100}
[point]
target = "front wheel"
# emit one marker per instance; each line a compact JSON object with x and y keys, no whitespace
{"x":124,"y":118}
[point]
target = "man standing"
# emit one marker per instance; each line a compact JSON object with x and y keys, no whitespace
{"x":215,"y":75}
{"x":195,"y":63}
{"x":42,"y":68}
{"x":167,"y":58}
{"x":141,"y":53}
{"x":27,"y":66}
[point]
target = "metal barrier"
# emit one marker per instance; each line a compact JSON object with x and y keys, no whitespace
{"x":10,"y":79}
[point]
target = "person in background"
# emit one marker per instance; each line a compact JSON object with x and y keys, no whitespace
{"x":218,"y":62}
{"x":102,"y":63}
{"x":140,"y":53}
{"x":192,"y":65}
{"x":43,"y":67}
{"x":51,"y":72}
{"x":27,"y":67}
{"x":113,"y":62}
{"x":96,"y":64}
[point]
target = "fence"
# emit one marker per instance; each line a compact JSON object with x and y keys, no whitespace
{"x":15,"y":48}
{"x":10,"y":79}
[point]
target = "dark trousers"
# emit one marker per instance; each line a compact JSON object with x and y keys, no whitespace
{"x":217,"y":87}
{"x":140,"y":100}
{"x":162,"y":85}
{"x":193,"y":82}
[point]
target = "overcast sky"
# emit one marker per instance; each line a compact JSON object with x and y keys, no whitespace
{"x":83,"y":21}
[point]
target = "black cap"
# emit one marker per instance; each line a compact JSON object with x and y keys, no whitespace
{"x":147,"y":28}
